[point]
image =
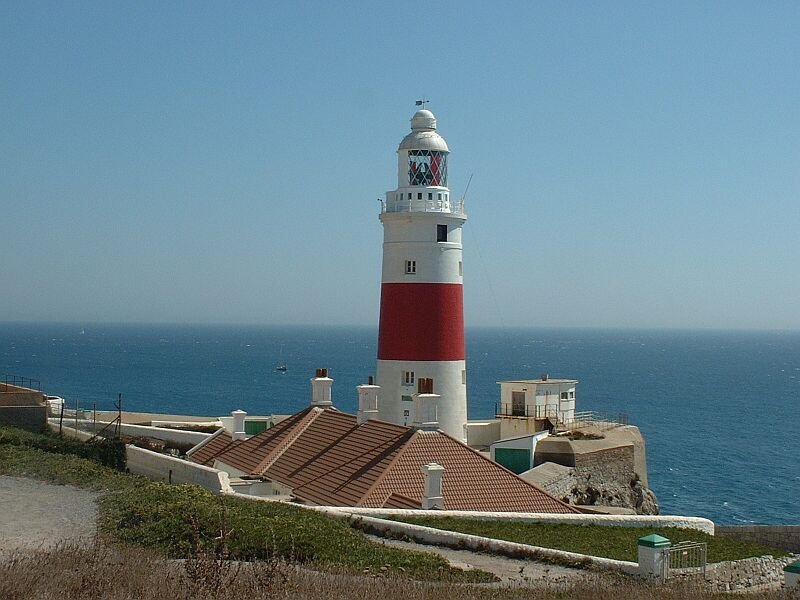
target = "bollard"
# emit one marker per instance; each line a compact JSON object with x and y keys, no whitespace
{"x":653,"y":550}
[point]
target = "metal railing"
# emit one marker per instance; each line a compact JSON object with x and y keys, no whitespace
{"x":685,"y":559}
{"x":530,"y":412}
{"x":22,"y":382}
{"x":436,"y":206}
{"x":587,"y":418}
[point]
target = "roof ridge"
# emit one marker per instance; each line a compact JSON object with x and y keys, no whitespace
{"x":382,"y":476}
{"x":290,"y":439}
{"x":497,"y":464}
{"x":204,"y":442}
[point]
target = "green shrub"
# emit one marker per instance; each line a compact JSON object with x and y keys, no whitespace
{"x":108,"y":452}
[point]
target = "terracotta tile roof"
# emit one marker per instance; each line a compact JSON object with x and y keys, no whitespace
{"x":217,"y":444}
{"x":335,"y":461}
{"x":251,"y":456}
{"x":400,"y":501}
{"x":469,"y":482}
{"x":328,"y":459}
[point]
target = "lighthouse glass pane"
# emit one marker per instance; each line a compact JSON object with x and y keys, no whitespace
{"x":427,"y":167}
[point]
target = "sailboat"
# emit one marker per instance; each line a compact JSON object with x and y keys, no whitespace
{"x":281,"y":368}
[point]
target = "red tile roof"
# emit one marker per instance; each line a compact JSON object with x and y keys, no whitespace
{"x":327,"y":458}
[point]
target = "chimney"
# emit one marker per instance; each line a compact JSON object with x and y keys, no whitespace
{"x":238,"y":425}
{"x":367,"y":401}
{"x":321,"y":389}
{"x":432,"y":496}
{"x":426,"y":406}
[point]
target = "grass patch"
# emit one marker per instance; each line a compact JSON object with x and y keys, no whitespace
{"x":619,"y":543}
{"x":175,"y":519}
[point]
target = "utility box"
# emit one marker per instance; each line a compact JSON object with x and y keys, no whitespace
{"x":653,"y":553}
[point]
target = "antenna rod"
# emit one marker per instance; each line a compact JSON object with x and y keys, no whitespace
{"x":464,"y":196}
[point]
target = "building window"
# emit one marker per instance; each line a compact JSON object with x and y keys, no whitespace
{"x":408,"y":378}
{"x":427,"y":167}
{"x":460,"y":269}
{"x":419,"y":196}
{"x":572,"y":395}
{"x":409,"y":195}
{"x":439,"y":196}
{"x":441,"y":233}
{"x":430,"y":195}
{"x":411,"y":267}
{"x":406,"y":413}
{"x":463,"y":377}
{"x":564,"y":395}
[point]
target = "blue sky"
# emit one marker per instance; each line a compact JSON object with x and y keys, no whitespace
{"x":634,"y":164}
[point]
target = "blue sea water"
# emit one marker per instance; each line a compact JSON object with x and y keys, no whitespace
{"x":719,"y":410}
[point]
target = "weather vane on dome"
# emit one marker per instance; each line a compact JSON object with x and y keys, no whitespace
{"x":422,"y":102}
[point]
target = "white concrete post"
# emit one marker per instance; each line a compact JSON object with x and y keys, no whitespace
{"x":238,"y":425}
{"x":653,"y":554}
{"x":321,"y":389}
{"x":791,"y":575}
{"x":367,"y":402}
{"x":426,"y":411}
{"x":433,"y":486}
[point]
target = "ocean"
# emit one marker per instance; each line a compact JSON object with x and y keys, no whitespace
{"x":719,"y":410}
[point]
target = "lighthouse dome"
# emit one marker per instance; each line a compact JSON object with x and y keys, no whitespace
{"x":423,"y":134}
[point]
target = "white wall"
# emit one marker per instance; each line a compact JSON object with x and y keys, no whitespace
{"x":161,"y":467}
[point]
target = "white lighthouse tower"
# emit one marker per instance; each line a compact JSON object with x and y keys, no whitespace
{"x":421,"y":332}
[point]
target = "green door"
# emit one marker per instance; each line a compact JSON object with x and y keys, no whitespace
{"x":514,"y":459}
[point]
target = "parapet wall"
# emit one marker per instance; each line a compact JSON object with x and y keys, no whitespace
{"x":785,"y":537}
{"x":161,"y":467}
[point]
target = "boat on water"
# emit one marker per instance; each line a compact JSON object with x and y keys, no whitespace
{"x":282,"y":368}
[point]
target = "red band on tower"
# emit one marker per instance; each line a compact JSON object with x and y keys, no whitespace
{"x":421,"y":321}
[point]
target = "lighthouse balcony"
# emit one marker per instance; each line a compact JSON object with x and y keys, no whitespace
{"x":527,"y":411}
{"x":445,"y":205}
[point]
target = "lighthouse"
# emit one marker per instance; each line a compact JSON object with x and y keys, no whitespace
{"x":421,"y":348}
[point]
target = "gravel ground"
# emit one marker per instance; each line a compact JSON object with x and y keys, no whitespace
{"x":509,"y":570}
{"x":35,"y":514}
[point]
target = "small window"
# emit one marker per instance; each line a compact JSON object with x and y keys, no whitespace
{"x":572,"y":395}
{"x":441,"y":233}
{"x":406,"y":398}
{"x":463,"y":377}
{"x":408,"y":377}
{"x":419,"y":196}
{"x":430,"y":195}
{"x":460,"y":269}
{"x":409,"y":195}
{"x":411,"y":267}
{"x":406,"y":413}
{"x":439,"y":196}
{"x":564,"y":395}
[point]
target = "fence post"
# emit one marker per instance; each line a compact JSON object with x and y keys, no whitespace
{"x":653,"y":550}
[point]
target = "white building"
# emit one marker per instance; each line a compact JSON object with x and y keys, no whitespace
{"x":530,"y":405}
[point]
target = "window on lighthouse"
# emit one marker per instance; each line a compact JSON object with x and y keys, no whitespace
{"x":411,"y":267}
{"x":441,"y":233}
{"x":408,"y":377}
{"x":427,"y":167}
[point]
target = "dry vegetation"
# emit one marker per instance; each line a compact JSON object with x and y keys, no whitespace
{"x":96,"y":571}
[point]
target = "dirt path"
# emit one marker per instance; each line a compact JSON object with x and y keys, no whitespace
{"x":509,"y":570}
{"x":35,"y":514}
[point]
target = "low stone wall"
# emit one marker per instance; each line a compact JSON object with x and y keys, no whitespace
{"x":161,"y":467}
{"x":785,"y":537}
{"x":654,"y":521}
{"x":763,"y":571}
{"x":176,"y":436}
{"x":452,"y":539}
